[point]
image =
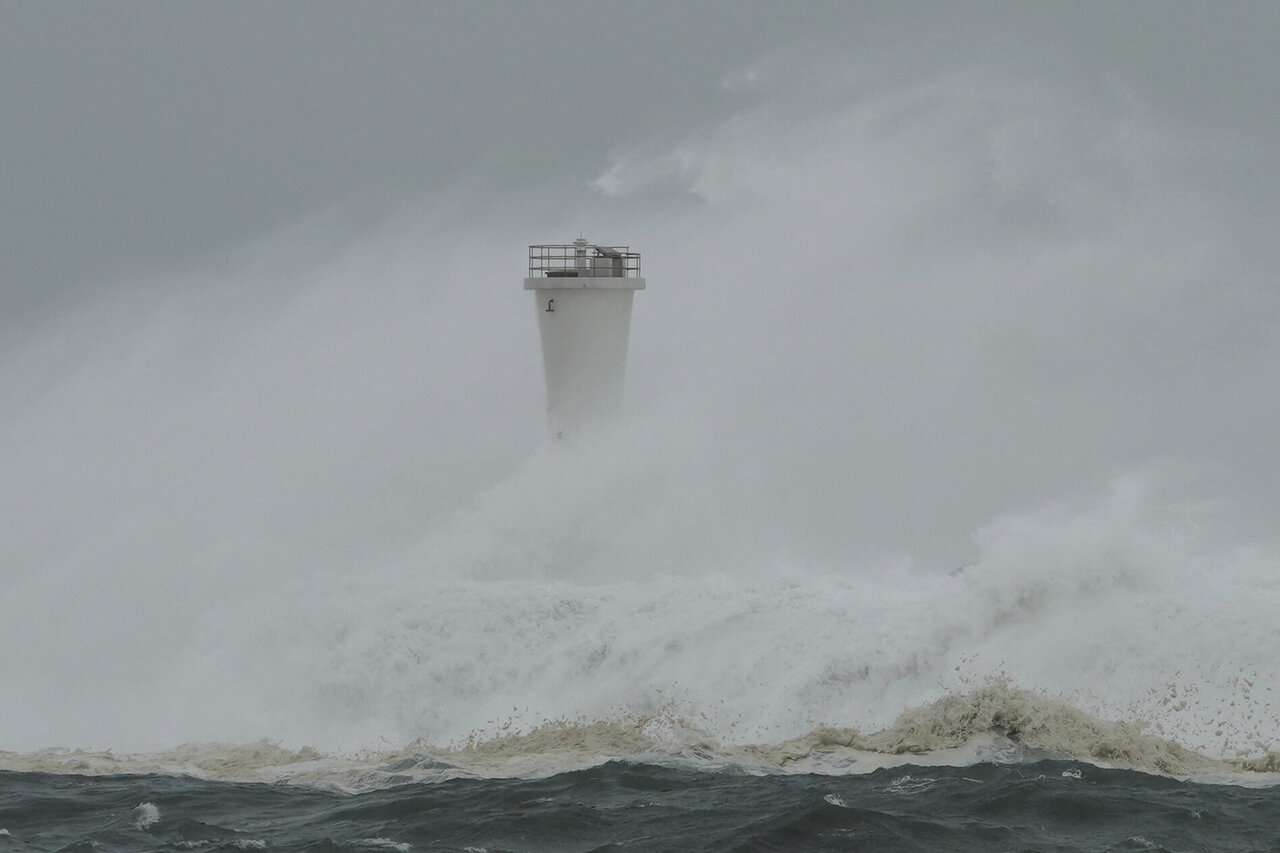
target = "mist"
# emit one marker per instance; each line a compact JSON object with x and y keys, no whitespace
{"x":911,"y":275}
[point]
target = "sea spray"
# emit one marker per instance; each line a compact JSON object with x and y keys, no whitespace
{"x":1097,"y":607}
{"x":996,"y":722}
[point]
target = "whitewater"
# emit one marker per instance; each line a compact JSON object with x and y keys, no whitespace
{"x":561,"y":620}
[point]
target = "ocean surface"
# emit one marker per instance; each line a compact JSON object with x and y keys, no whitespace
{"x":1039,"y":805}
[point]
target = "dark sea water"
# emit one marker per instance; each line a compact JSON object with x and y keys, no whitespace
{"x":1046,"y":805}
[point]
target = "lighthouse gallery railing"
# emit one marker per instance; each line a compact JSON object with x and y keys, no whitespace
{"x":575,"y":260}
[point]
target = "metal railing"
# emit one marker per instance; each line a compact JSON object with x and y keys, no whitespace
{"x":583,"y":260}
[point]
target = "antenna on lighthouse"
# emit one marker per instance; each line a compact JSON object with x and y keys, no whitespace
{"x":583,"y":295}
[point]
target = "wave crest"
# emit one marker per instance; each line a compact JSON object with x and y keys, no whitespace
{"x":996,"y":722}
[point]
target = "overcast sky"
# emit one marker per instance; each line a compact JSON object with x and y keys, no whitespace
{"x":921,"y":263}
{"x":144,"y":135}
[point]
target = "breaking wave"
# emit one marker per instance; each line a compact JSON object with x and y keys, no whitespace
{"x":1091,"y":634}
{"x":1097,"y":632}
{"x":996,"y":723}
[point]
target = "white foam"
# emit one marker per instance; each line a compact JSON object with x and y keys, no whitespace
{"x":146,"y":815}
{"x":994,"y":723}
{"x":1093,"y":609}
{"x":386,"y":843}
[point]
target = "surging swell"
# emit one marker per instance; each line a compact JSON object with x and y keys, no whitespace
{"x":996,"y":722}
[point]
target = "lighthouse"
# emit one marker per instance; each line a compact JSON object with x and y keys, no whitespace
{"x":583,"y":296}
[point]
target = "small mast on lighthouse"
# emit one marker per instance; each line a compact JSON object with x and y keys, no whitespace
{"x":583,"y":296}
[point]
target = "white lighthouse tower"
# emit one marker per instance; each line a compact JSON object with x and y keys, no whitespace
{"x":583,"y":296}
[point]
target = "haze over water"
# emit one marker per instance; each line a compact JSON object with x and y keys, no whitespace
{"x":926,"y":289}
